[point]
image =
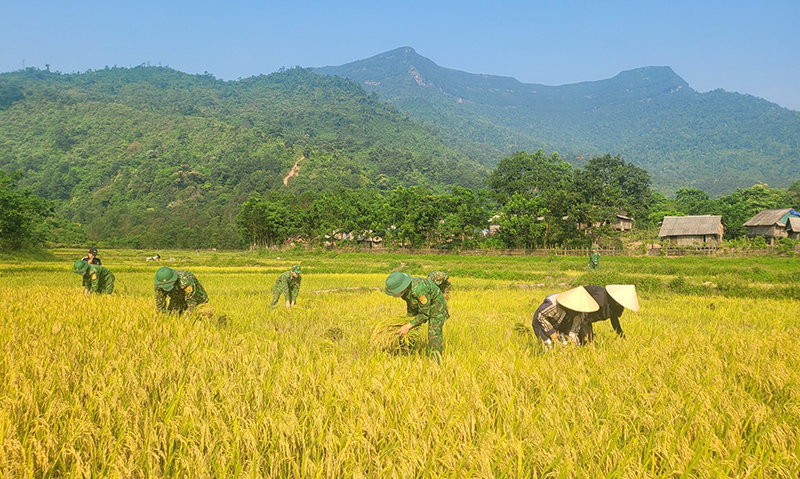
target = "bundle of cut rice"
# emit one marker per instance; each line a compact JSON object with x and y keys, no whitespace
{"x":386,"y":336}
{"x":522,"y":329}
{"x":334,"y":333}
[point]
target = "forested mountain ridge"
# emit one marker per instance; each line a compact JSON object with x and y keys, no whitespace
{"x":153,"y":156}
{"x":715,"y":141}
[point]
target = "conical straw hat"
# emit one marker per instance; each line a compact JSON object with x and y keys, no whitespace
{"x":624,"y":294}
{"x":578,"y":299}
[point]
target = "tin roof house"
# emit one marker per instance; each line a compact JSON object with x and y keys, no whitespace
{"x":770,"y":224}
{"x":696,"y":231}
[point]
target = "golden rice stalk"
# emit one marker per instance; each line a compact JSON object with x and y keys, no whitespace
{"x":386,"y":336}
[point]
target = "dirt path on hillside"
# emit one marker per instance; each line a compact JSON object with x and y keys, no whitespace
{"x":294,"y":171}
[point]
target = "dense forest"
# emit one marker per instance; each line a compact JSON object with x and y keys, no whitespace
{"x":716,"y":141}
{"x":152,"y":157}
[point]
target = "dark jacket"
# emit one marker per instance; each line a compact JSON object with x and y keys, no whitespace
{"x":609,"y":309}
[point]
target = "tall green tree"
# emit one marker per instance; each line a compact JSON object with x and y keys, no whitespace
{"x":22,"y":215}
{"x":743,"y":204}
{"x":607,"y":186}
{"x":266,"y":221}
{"x":530,"y":174}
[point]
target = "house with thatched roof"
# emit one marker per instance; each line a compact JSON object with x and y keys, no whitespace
{"x":770,"y":224}
{"x":793,"y":227}
{"x":703,"y":230}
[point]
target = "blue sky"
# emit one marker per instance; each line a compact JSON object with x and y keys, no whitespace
{"x":748,"y":47}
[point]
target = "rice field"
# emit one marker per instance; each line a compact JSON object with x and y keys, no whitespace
{"x":705,"y":384}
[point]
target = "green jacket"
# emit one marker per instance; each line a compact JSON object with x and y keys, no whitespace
{"x":96,"y":278}
{"x":185,"y":296}
{"x":425,"y":301}
{"x":441,"y":279}
{"x":287,"y":285}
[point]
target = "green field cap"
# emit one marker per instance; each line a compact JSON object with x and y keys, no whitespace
{"x":80,"y":266}
{"x":397,"y":282}
{"x":296,"y":269}
{"x":165,"y":278}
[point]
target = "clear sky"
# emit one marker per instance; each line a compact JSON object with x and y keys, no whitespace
{"x":746,"y":46}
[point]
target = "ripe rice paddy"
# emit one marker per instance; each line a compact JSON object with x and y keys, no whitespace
{"x":706,"y":383}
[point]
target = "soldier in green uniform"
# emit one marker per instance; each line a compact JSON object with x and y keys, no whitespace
{"x":425,"y":302}
{"x":96,"y":279}
{"x":184,"y":291}
{"x":442,"y":280}
{"x":288,"y":285}
{"x":594,"y":258}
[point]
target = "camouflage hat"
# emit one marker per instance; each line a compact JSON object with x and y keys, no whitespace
{"x":80,"y":266}
{"x":93,"y":251}
{"x":396,"y":283}
{"x":296,"y":269}
{"x":165,"y":278}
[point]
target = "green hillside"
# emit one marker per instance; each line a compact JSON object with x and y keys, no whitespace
{"x":716,"y":141}
{"x":153,"y":156}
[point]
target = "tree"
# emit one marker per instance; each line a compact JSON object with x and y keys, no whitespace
{"x":794,"y":195}
{"x":530,"y":175}
{"x":464,"y":213}
{"x":414,"y":215}
{"x":22,"y":215}
{"x":742,"y":205}
{"x":522,"y":224}
{"x":267,"y":221}
{"x":608,"y":186}
{"x":691,"y":201}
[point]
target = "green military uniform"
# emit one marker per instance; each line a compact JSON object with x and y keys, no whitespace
{"x":98,"y":280}
{"x":442,"y":280}
{"x":287,"y":285}
{"x":186,"y":294}
{"x":594,"y":259}
{"x":426,"y":303}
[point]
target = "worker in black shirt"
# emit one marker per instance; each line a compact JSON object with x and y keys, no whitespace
{"x":92,"y":258}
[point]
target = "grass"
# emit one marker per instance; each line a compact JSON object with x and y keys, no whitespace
{"x":704,"y":385}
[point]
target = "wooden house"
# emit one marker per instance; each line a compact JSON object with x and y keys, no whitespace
{"x":623,"y":223}
{"x":793,"y":227}
{"x":770,"y":224}
{"x":697,"y":231}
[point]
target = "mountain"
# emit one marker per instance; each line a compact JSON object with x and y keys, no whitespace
{"x":715,"y":141}
{"x":153,"y":156}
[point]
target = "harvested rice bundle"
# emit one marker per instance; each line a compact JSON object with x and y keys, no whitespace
{"x":522,"y":329}
{"x":386,"y":336}
{"x":334,"y":333}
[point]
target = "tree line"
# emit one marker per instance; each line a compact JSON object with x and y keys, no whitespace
{"x":531,"y":200}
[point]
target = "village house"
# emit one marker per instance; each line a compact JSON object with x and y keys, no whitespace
{"x":770,"y":224}
{"x":623,"y":223}
{"x":793,"y":227}
{"x":693,"y":231}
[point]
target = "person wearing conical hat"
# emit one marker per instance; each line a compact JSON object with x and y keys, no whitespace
{"x":425,"y":302}
{"x":568,"y":308}
{"x":613,"y":300}
{"x":96,"y":279}
{"x":288,"y":285}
